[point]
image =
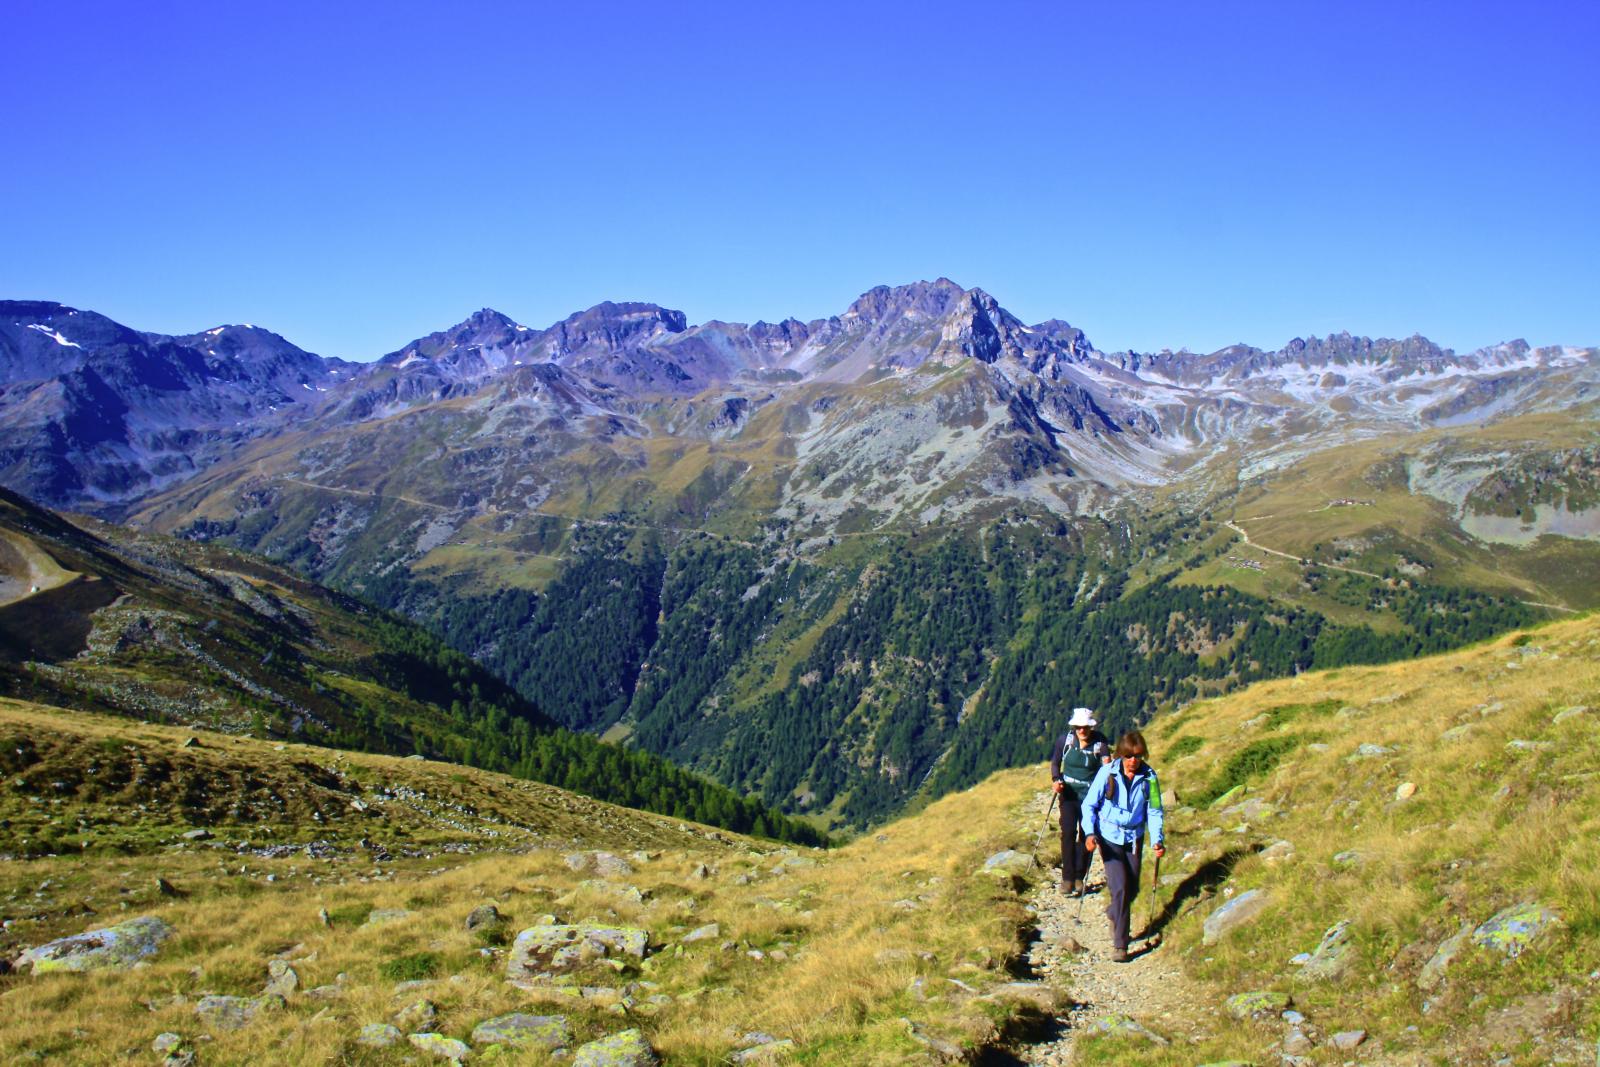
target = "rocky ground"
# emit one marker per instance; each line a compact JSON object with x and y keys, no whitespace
{"x":1147,"y":997}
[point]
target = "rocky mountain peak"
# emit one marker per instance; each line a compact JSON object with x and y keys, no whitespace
{"x":884,"y":305}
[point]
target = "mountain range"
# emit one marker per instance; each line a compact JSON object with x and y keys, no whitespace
{"x":851,"y":561}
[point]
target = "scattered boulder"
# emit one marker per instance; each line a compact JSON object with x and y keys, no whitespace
{"x":281,"y":978}
{"x":486,"y":915}
{"x":419,"y":1016}
{"x":439,"y":1046}
{"x":770,"y":1051}
{"x":947,"y":1051}
{"x":1521,"y":745}
{"x":1277,"y":852}
{"x":1513,"y":930}
{"x":1330,"y":960}
{"x":379,"y":916}
{"x":1368,"y":750}
{"x":1256,"y":1003}
{"x":517,"y":1030}
{"x":1296,"y":1043}
{"x":115,"y":948}
{"x":605,"y":864}
{"x":558,"y":948}
{"x":1348,"y":858}
{"x":1569,"y":713}
{"x":1251,"y":810}
{"x":1124,"y":1026}
{"x":1348,"y":1040}
{"x":1009,"y":862}
{"x":625,"y":1049}
{"x":1405,"y":791}
{"x":235,"y":1013}
{"x":1433,"y":971}
{"x":702,"y":933}
{"x":166,"y":1042}
{"x":1038,"y":995}
{"x":379,"y":1035}
{"x":198,"y":834}
{"x":1239,"y":911}
{"x":700,"y":873}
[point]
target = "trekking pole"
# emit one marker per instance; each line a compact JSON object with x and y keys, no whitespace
{"x":1040,"y":835}
{"x":1155,"y":888}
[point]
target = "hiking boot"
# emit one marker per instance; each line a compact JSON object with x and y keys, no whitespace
{"x":1077,"y":885}
{"x":1119,"y":955}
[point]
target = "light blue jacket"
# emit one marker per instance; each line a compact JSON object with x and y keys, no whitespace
{"x":1118,"y":812}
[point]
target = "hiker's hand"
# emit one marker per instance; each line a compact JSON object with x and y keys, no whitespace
{"x":1160,"y":850}
{"x":1058,"y":787}
{"x":1089,"y":843}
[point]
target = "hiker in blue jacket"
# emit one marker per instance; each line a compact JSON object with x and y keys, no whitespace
{"x":1077,"y":757}
{"x":1122,"y":808}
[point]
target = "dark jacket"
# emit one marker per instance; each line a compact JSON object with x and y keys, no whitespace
{"x":1075,"y":765}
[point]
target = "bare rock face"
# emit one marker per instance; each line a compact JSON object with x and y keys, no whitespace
{"x":1239,"y":911}
{"x":112,"y":948}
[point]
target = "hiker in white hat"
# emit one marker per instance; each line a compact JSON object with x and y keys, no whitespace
{"x":1077,"y":757}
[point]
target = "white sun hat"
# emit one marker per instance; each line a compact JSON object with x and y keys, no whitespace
{"x":1083,"y":717}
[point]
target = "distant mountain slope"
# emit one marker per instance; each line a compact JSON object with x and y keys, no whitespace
{"x":173,"y":632}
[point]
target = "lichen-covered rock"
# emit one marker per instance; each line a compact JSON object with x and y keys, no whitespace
{"x":423,"y":1015}
{"x":1348,"y":858}
{"x":1257,"y":1002}
{"x":702,"y":933}
{"x":235,"y":1013}
{"x":557,"y":948}
{"x":281,"y":978}
{"x":1330,"y":960}
{"x":767,"y":1052}
{"x":112,"y":948}
{"x":1123,"y":1026}
{"x":486,"y":915}
{"x":605,"y":864}
{"x":1277,"y":852}
{"x":1237,"y":912}
{"x":517,"y":1030}
{"x":1514,"y":930}
{"x":380,"y":916}
{"x":1433,"y":971}
{"x":441,"y":1047}
{"x":1348,"y":1040}
{"x":626,"y":1049}
{"x":379,"y":1035}
{"x":1009,"y":862}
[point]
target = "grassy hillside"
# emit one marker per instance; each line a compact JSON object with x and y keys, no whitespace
{"x":1480,"y":795}
{"x":820,"y":949}
{"x":169,"y":631}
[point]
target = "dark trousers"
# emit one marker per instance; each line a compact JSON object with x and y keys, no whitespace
{"x":1074,"y":856}
{"x":1122,"y":879}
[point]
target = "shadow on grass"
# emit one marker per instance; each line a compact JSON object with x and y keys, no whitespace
{"x":1207,"y":876}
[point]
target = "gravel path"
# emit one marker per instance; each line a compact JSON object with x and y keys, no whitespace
{"x":1149,"y":989}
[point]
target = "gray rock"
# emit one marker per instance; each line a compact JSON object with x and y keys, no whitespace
{"x":1570,"y":713}
{"x":1521,"y":745}
{"x":1277,"y":852}
{"x":558,"y":948}
{"x":379,"y":1035}
{"x":625,"y":1049}
{"x":198,"y":834}
{"x":111,"y":948}
{"x":1009,"y":862}
{"x":947,"y":1051}
{"x":700,"y":873}
{"x":419,"y":1016}
{"x":1433,"y":971}
{"x":1292,"y":1017}
{"x":484,"y":915}
{"x":1331,"y":959}
{"x":1124,"y":1026}
{"x":770,"y":1052}
{"x":166,"y":1042}
{"x":1368,"y":750}
{"x":1039,"y":995}
{"x":517,"y":1030}
{"x":1514,"y":930}
{"x":1252,"y":810}
{"x":235,"y":1013}
{"x":1296,"y":1043}
{"x":1348,"y":1040}
{"x":1239,"y":911}
{"x":1348,"y":858}
{"x":1258,"y":1002}
{"x":605,"y":864}
{"x":702,"y":933}
{"x":440,"y":1047}
{"x":281,"y":978}
{"x":379,"y":916}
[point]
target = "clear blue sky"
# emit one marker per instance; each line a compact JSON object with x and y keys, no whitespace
{"x":1160,"y":174}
